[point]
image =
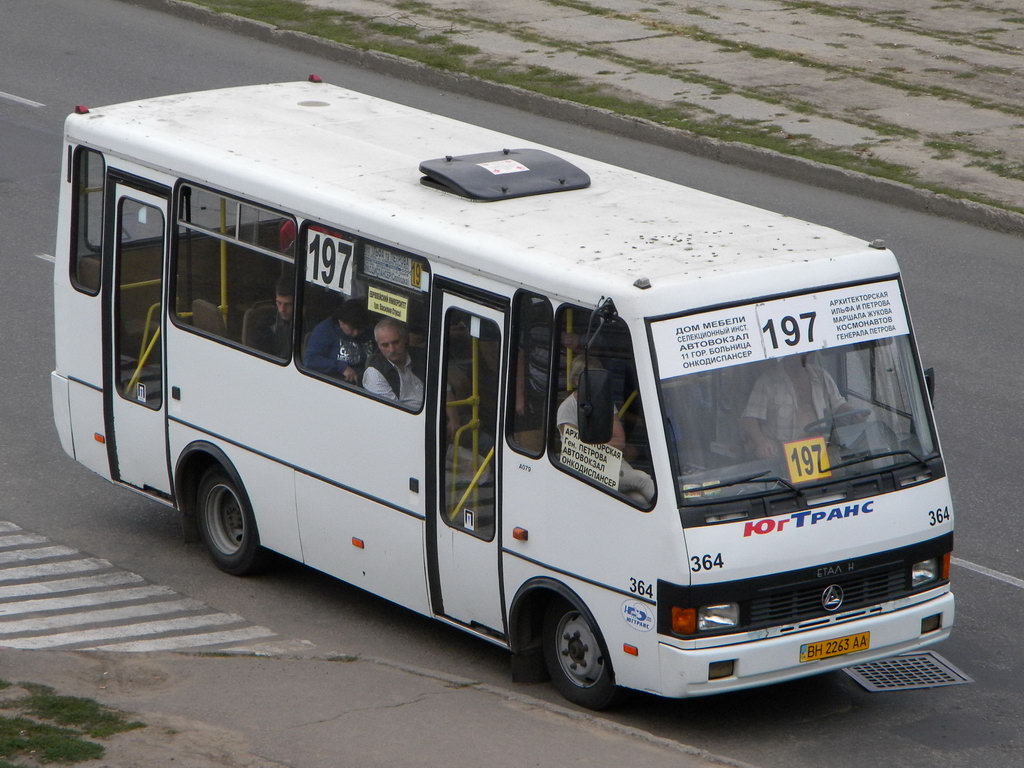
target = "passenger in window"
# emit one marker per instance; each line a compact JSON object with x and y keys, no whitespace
{"x":396,"y":371}
{"x":341,"y":344}
{"x":634,"y":483}
{"x":273,"y":334}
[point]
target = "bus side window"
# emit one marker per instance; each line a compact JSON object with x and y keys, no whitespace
{"x":349,"y":287}
{"x":623,"y":465}
{"x":234,"y":268}
{"x":533,"y":325}
{"x":87,"y":219}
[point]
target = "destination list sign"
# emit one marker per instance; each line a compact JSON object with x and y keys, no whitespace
{"x":752,"y":332}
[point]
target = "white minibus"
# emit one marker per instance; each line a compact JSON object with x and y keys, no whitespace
{"x":641,"y":436}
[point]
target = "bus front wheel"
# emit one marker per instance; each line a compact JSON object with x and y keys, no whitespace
{"x":227,"y":525}
{"x":575,"y":657}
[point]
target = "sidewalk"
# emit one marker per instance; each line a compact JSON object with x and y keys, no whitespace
{"x":259,"y":712}
{"x":892,"y":99}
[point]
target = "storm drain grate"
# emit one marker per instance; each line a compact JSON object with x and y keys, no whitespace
{"x":907,"y":672}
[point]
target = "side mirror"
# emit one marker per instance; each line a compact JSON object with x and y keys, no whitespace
{"x":594,"y":407}
{"x":929,"y":381}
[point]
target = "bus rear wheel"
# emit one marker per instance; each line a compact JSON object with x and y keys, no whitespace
{"x":575,"y":656}
{"x":227,"y":525}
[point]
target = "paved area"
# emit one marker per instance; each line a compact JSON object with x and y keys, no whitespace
{"x":928,"y":92}
{"x":918,"y":103}
{"x":218,"y":691}
{"x":933,"y":88}
{"x":259,"y":712}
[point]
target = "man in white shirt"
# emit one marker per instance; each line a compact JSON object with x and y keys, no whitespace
{"x":396,"y":372}
{"x":788,"y":397}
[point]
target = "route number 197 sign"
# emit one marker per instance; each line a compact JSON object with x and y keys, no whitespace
{"x":328,"y":261}
{"x":748,"y":333}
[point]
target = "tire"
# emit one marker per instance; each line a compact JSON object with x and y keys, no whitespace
{"x":227,"y":526}
{"x":576,"y":657}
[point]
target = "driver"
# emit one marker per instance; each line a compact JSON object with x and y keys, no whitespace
{"x":785,"y":400}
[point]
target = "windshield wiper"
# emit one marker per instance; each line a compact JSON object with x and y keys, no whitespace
{"x":763,"y":477}
{"x":873,"y":456}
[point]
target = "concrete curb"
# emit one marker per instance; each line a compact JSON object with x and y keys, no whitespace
{"x":732,"y":153}
{"x":522,"y":699}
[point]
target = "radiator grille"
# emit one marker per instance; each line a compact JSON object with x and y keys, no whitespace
{"x":798,"y":602}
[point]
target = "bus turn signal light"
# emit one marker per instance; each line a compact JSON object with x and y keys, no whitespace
{"x":358,"y":543}
{"x":99,"y":438}
{"x":632,"y":650}
{"x":684,"y":620}
{"x":520,"y":534}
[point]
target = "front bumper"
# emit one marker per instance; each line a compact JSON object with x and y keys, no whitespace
{"x":772,"y":659}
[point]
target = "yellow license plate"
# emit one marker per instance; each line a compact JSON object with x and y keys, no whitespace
{"x":839,"y":646}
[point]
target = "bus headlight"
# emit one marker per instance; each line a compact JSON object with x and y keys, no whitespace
{"x":720,"y":616}
{"x":923,"y":572}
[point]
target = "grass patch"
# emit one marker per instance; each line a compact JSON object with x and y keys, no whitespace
{"x":45,"y":727}
{"x":84,"y":714}
{"x":22,"y":737}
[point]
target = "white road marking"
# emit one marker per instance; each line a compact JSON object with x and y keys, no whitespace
{"x":20,"y":555}
{"x":25,"y":572}
{"x":130,"y":612}
{"x":100,"y":580}
{"x":997,"y":575}
{"x":80,"y":601}
{"x":48,"y":611}
{"x":21,"y":540}
{"x":20,"y":100}
{"x":189,"y":641}
{"x":45,"y":257}
{"x":127,"y":630}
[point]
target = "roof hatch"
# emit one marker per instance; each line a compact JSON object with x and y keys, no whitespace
{"x":490,"y":176}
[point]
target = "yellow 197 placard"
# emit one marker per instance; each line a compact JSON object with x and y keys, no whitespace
{"x":807,"y":459}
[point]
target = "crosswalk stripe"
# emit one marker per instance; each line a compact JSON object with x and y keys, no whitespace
{"x":99,"y":616}
{"x":25,"y":572}
{"x":188,"y":641}
{"x":81,"y":601}
{"x":21,"y":540}
{"x":42,"y":553}
{"x":98,"y":581}
{"x":126,"y":630}
{"x":46,"y":605}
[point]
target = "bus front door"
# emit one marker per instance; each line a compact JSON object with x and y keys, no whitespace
{"x":465,"y":563}
{"x":136,"y":429}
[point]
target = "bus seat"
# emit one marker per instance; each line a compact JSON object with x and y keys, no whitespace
{"x":259,"y":314}
{"x":207,"y":317}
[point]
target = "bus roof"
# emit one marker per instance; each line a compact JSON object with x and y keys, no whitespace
{"x":353,"y":160}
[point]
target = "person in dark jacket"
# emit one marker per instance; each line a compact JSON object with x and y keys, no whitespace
{"x":340,"y":345}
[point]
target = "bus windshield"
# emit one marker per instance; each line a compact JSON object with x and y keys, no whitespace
{"x":791,"y":393}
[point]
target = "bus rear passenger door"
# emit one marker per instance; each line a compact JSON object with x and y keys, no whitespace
{"x":464,"y":563}
{"x":134,"y":387}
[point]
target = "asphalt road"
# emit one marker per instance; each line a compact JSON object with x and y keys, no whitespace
{"x":962,"y":285}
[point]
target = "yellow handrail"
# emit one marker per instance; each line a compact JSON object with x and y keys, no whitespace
{"x":224,"y":262}
{"x":141,"y":283}
{"x":144,"y":349}
{"x":472,"y":485}
{"x":568,"y":351}
{"x":629,"y":402}
{"x":142,"y":361}
{"x":145,"y":329}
